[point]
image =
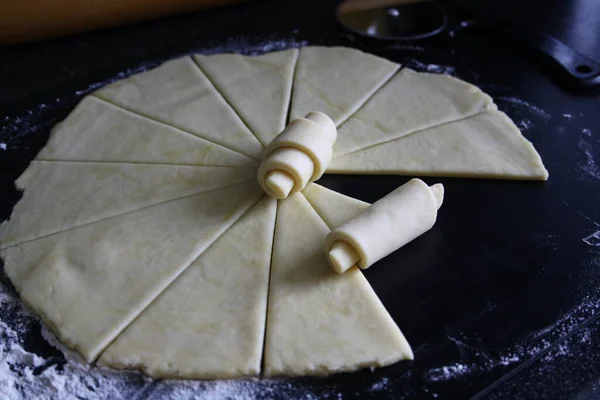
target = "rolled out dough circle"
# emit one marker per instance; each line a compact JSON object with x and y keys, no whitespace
{"x":144,"y":241}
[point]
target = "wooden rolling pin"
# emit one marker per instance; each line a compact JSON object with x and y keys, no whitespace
{"x":29,"y":20}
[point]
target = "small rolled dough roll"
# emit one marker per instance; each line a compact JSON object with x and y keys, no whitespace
{"x":298,"y":155}
{"x":385,"y":226}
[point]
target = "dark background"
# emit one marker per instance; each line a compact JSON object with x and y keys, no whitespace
{"x":499,"y":300}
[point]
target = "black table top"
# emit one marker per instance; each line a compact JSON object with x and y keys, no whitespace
{"x":500,"y":299}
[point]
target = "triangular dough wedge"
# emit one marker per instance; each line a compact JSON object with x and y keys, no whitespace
{"x":336,"y":81}
{"x":320,"y":322}
{"x":209,"y":324}
{"x":333,"y":207}
{"x":258,"y":88}
{"x":488,"y":145}
{"x":63,"y":195}
{"x":179,"y":94}
{"x":409,"y":102}
{"x":99,"y":131}
{"x":89,"y":283}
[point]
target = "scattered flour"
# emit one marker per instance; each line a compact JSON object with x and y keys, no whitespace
{"x":569,"y":116}
{"x":433,"y":68}
{"x":586,"y":132}
{"x":405,"y":47}
{"x":593,"y":239}
{"x":589,"y":165}
{"x":527,"y":106}
{"x":380,"y":385}
{"x":2,"y":146}
{"x":525,"y":124}
{"x":447,"y":373}
{"x":549,"y":341}
{"x":25,"y":375}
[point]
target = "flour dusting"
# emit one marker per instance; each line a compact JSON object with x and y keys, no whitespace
{"x":522,"y":104}
{"x":3,"y":146}
{"x":433,"y":68}
{"x":589,"y":165}
{"x":405,"y":47}
{"x":525,"y":125}
{"x":252,"y":45}
{"x":26,"y":375}
{"x":548,"y":343}
{"x":593,"y":240}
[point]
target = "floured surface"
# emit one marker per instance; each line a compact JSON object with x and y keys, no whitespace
{"x":312,"y":326}
{"x":209,"y":324}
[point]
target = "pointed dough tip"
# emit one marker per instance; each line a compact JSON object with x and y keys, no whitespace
{"x":342,"y":257}
{"x":280,"y":184}
{"x":438,"y":193}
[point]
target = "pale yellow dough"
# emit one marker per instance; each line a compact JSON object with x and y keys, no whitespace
{"x":179,"y":94}
{"x":89,"y":283}
{"x":409,"y":102}
{"x":139,"y":235}
{"x":333,"y":207}
{"x":300,"y":154}
{"x":98,"y":131}
{"x":487,"y":145}
{"x":388,"y":224}
{"x":87,"y":192}
{"x":258,"y":88}
{"x":320,"y":322}
{"x":184,"y":336}
{"x":336,"y":81}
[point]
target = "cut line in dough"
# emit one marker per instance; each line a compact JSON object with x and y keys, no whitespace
{"x":336,"y":81}
{"x":89,"y":283}
{"x":486,"y":145}
{"x":63,"y":195}
{"x":179,"y":94}
{"x":320,"y":322}
{"x":100,"y":131}
{"x":257,"y":88}
{"x":213,"y":315}
{"x":410,"y":101}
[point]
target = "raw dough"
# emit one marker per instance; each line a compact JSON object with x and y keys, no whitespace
{"x":388,"y":224}
{"x":336,"y":81}
{"x":85,"y":192}
{"x":90,"y":282}
{"x":258,"y":88}
{"x":333,"y":207}
{"x":300,"y":154}
{"x":98,"y":131}
{"x":114,"y":262}
{"x":179,"y":94}
{"x":210,"y":322}
{"x":319,"y":322}
{"x":409,"y":102}
{"x":487,"y":145}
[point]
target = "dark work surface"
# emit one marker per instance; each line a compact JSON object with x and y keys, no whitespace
{"x":499,"y":300}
